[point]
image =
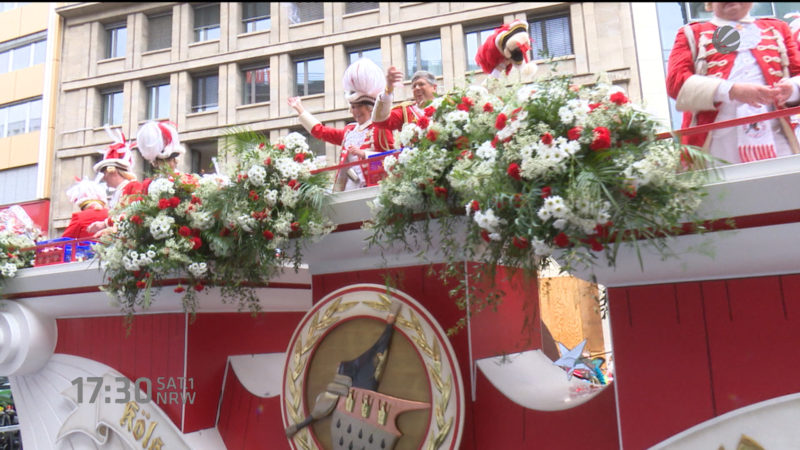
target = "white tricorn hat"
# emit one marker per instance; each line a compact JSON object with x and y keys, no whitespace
{"x":363,"y":81}
{"x":158,"y":140}
{"x":118,"y":153}
{"x":86,"y":191}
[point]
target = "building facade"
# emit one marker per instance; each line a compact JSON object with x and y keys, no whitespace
{"x":28,"y":64}
{"x":213,"y":66}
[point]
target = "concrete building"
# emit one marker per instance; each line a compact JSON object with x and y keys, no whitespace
{"x":213,"y":66}
{"x":28,"y":64}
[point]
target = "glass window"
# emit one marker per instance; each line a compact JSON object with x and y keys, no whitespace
{"x":21,"y":57}
{"x":112,"y":108}
{"x":309,"y":76}
{"x":18,"y":184}
{"x":255,"y":16}
{"x":39,"y":52}
{"x":255,"y":85}
{"x":550,"y":37}
{"x":424,"y":55}
{"x":372,"y":53}
{"x":34,"y":115}
{"x":17,"y":117}
{"x":354,"y":7}
{"x":158,"y":101}
{"x":206,"y":22}
{"x":116,"y":40}
{"x":5,"y":58}
{"x":305,"y":11}
{"x":205,"y":93}
{"x":473,"y":40}
{"x":159,"y":32}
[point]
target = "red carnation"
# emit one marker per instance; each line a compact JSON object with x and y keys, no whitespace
{"x":196,"y":243}
{"x":163,"y":203}
{"x":440,"y":191}
{"x":137,"y":220}
{"x":294,"y":184}
{"x":299,"y":157}
{"x":462,"y":141}
{"x":431,"y":135}
{"x":196,"y":200}
{"x":174,"y":202}
{"x":141,"y":284}
{"x":487,"y":107}
{"x":185,"y":231}
{"x":280,"y":147}
{"x":629,"y":191}
{"x":561,"y":240}
{"x":429,"y":111}
{"x":295,"y":226}
{"x":574,"y":133}
{"x":513,"y":171}
{"x":593,"y":106}
{"x":224,"y":231}
{"x":261,"y":145}
{"x":546,"y":191}
{"x":602,"y":229}
{"x":423,"y":122}
{"x":467,"y":101}
{"x":474,"y":205}
{"x":179,"y":289}
{"x":500,"y":123}
{"x":547,"y":139}
{"x":602,"y":139}
{"x":520,"y":242}
{"x":494,"y":141}
{"x":618,"y":98}
{"x":462,"y":107}
{"x":596,"y":245}
{"x":268,"y":161}
{"x":253,"y":195}
{"x":485,"y":236}
{"x":268,"y":235}
{"x":198,"y":287}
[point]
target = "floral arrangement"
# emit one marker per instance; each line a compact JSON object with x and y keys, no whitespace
{"x":206,"y":226}
{"x":532,"y":171}
{"x":18,"y":235}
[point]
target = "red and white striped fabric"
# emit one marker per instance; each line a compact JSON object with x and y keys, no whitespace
{"x":756,"y":152}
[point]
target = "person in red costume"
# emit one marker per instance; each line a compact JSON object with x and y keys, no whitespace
{"x":711,"y":85}
{"x":506,"y":47}
{"x":116,"y":171}
{"x":363,"y":81}
{"x":423,"y":89}
{"x":90,"y":197}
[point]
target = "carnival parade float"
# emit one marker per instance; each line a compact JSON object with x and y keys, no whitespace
{"x":252,"y":308}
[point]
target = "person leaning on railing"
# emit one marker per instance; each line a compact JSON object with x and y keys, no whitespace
{"x":712,"y":84}
{"x":90,"y":197}
{"x":363,"y":81}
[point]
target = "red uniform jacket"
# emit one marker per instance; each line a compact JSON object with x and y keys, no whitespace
{"x":681,"y":63}
{"x":378,"y":139}
{"x":399,"y":115}
{"x":81,"y":220}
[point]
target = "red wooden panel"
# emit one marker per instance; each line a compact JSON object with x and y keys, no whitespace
{"x":790,"y":286}
{"x":212,"y":338}
{"x":231,"y":424}
{"x":498,"y":422}
{"x":661,"y":361}
{"x":751,"y":340}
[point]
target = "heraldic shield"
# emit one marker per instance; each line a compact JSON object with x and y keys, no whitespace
{"x":370,"y":368}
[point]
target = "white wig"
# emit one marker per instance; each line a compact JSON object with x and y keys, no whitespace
{"x":86,"y":191}
{"x":158,"y":140}
{"x":363,"y":81}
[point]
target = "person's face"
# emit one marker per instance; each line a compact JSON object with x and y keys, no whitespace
{"x":361,"y":112}
{"x":731,"y":10}
{"x":422,"y":90}
{"x":112,"y":178}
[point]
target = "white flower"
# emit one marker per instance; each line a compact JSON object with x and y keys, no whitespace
{"x":247,"y":223}
{"x":408,"y":134}
{"x":160,"y":186}
{"x":257,"y":175}
{"x":457,"y":117}
{"x":487,"y":220}
{"x":8,"y":270}
{"x":161,"y":226}
{"x":198,"y":269}
{"x":295,"y":142}
{"x":389,"y":162}
{"x":566,"y":115}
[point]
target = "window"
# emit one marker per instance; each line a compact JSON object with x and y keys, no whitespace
{"x":112,"y":107}
{"x":315,"y":146}
{"x":22,"y":117}
{"x":255,"y":16}
{"x":24,"y":52}
{"x":206,"y":22}
{"x":372,"y":53}
{"x":309,"y":76}
{"x":158,"y":100}
{"x":550,"y":37}
{"x":116,"y":40}
{"x":205,"y":93}
{"x":354,"y":7}
{"x":18,"y":185}
{"x":424,"y":54}
{"x":159,"y":31}
{"x":7,"y":6}
{"x":255,"y":85}
{"x":305,"y":11}
{"x":473,"y":39}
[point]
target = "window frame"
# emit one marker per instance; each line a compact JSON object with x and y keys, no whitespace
{"x":160,"y":15}
{"x":104,"y":105}
{"x":255,"y":19}
{"x":154,"y":86}
{"x":360,"y":49}
{"x":377,"y":7}
{"x":248,"y":68}
{"x":26,"y":104}
{"x":205,"y":107}
{"x":305,"y":60}
{"x":204,"y":29}
{"x":30,"y":43}
{"x":479,"y":29}
{"x":418,"y":40}
{"x":299,"y":22}
{"x":543,"y":19}
{"x":112,"y":40}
